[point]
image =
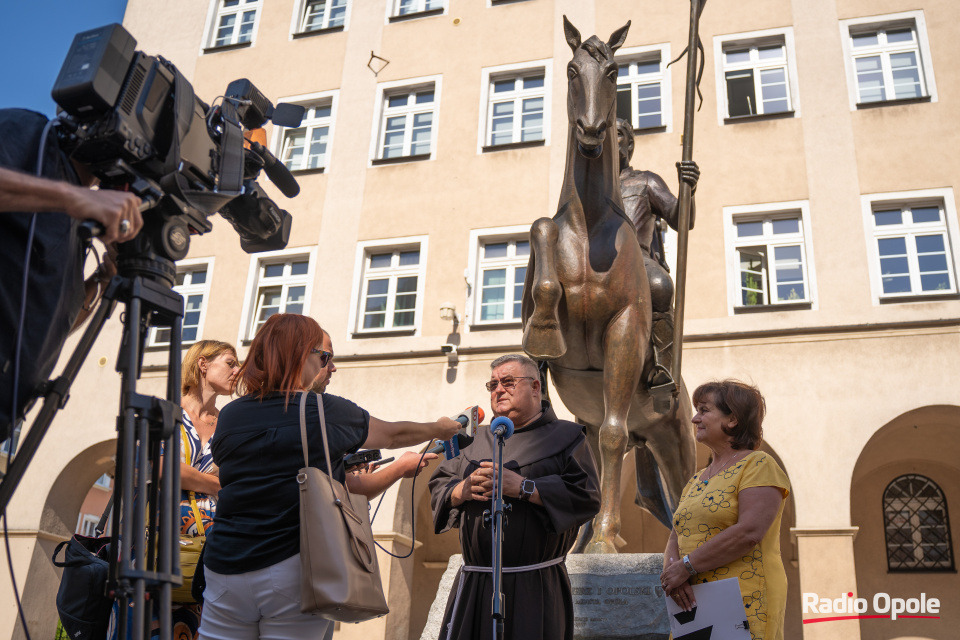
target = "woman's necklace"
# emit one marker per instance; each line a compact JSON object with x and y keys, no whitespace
{"x":722,"y":467}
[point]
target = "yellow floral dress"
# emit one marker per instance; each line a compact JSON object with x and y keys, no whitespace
{"x":708,"y":508}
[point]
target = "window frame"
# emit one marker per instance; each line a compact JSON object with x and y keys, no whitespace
{"x":361,"y":277}
{"x":475,"y":261}
{"x":490,"y":74}
{"x":87,"y":521}
{"x":309,"y":100}
{"x":634,"y":55}
{"x":215,"y":12}
{"x":393,"y":7}
{"x":248,"y":314}
{"x":204,"y":289}
{"x":915,"y":530}
{"x":769,"y":211}
{"x":887,"y":22}
{"x":300,"y":14}
{"x":949,"y":227}
{"x":753,"y":39}
{"x":382,"y":112}
{"x":516,"y":97}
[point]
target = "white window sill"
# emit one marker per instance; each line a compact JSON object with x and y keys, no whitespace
{"x":769,"y":308}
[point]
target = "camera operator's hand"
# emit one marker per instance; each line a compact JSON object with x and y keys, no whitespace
{"x":110,"y":209}
{"x":22,"y":192}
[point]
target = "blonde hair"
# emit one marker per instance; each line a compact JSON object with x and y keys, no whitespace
{"x":190,"y":369}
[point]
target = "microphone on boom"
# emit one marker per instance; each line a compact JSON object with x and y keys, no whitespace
{"x":502,"y":427}
{"x":469,"y":419}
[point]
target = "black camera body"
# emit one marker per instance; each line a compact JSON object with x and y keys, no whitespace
{"x":134,"y":121}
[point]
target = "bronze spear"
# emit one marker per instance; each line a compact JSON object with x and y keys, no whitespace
{"x":686,"y":193}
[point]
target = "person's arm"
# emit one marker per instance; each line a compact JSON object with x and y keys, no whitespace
{"x":682,"y":594}
{"x":396,"y":435}
{"x":373,"y":484}
{"x":758,"y":509}
{"x":195,"y":480}
{"x":22,"y":192}
{"x":662,"y":200}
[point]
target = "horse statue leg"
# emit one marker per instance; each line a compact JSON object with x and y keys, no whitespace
{"x":542,"y":338}
{"x":622,"y":366}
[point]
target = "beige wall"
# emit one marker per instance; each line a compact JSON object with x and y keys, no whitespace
{"x":833,"y":375}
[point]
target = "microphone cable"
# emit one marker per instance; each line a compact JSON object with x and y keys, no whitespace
{"x":413,"y":511}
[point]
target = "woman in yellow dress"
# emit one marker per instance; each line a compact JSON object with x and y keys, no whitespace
{"x":727,"y":523}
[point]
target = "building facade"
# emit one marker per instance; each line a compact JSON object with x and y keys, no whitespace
{"x":823,"y":266}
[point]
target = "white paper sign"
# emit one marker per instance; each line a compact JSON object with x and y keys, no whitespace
{"x":719,"y":614}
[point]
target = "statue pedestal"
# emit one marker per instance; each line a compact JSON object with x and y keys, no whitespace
{"x":615,"y":597}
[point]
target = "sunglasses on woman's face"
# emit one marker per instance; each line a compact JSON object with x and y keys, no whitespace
{"x":325,"y":356}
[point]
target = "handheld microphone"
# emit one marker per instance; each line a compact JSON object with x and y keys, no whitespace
{"x":502,"y":427}
{"x":469,"y":419}
{"x":278,"y":173}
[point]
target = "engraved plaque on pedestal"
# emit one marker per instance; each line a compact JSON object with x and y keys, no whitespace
{"x":618,"y":597}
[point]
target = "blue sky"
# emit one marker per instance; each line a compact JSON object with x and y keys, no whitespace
{"x":34,"y":38}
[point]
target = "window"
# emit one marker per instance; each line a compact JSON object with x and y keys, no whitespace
{"x":193,"y":285}
{"x":390,"y":285}
{"x":407,"y":121}
{"x":912,"y":248}
{"x":407,"y":7}
{"x":281,"y":288}
{"x":502,"y":266}
{"x":756,"y":74}
{"x":234,"y":22}
{"x":322,"y":14}
{"x":514,"y":105}
{"x":104,"y":482}
{"x":516,"y":108}
{"x":88,"y":525}
{"x":307,"y":147}
{"x":278,"y":282}
{"x":916,"y":525}
{"x":642,"y":87}
{"x":756,"y":80}
{"x":888,"y":59}
{"x":770,"y":258}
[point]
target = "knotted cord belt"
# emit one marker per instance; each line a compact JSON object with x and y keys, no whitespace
{"x":476,"y":569}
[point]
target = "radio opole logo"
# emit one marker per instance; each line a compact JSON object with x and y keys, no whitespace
{"x":883,"y":606}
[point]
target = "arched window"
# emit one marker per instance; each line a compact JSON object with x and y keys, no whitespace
{"x":916,"y":525}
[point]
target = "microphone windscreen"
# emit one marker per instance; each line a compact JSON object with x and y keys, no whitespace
{"x":502,"y":422}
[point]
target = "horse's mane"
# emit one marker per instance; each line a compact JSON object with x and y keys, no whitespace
{"x":598,"y":49}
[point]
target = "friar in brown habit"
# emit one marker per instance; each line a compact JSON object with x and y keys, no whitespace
{"x":550,"y":480}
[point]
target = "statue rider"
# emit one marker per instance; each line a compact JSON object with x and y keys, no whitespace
{"x":649,"y":203}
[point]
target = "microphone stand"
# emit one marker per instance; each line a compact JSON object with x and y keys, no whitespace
{"x":497,"y":518}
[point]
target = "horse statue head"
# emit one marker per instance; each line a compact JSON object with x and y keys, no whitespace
{"x":592,"y":87}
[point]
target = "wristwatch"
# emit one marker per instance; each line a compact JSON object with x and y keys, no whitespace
{"x":527,"y":487}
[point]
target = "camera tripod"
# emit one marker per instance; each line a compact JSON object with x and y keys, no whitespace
{"x":142,"y":567}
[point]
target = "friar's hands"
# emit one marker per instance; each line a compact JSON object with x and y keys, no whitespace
{"x":689,"y":172}
{"x":478,"y":485}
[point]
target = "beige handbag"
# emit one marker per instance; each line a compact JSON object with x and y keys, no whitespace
{"x":339,"y":573}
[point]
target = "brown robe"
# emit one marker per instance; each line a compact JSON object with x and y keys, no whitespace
{"x":538,"y":604}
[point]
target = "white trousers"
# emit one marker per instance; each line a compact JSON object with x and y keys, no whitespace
{"x":259,"y":605}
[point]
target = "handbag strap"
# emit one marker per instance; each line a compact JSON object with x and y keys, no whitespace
{"x":323,"y":433}
{"x":188,"y":455}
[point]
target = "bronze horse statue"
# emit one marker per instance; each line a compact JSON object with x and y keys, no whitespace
{"x":586,"y":307}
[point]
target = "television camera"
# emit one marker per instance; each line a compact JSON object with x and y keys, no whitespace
{"x":135,"y":122}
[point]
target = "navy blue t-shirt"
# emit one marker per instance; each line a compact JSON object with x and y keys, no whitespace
{"x":258,"y":449}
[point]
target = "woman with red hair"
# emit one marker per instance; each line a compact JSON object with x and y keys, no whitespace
{"x":252,"y":563}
